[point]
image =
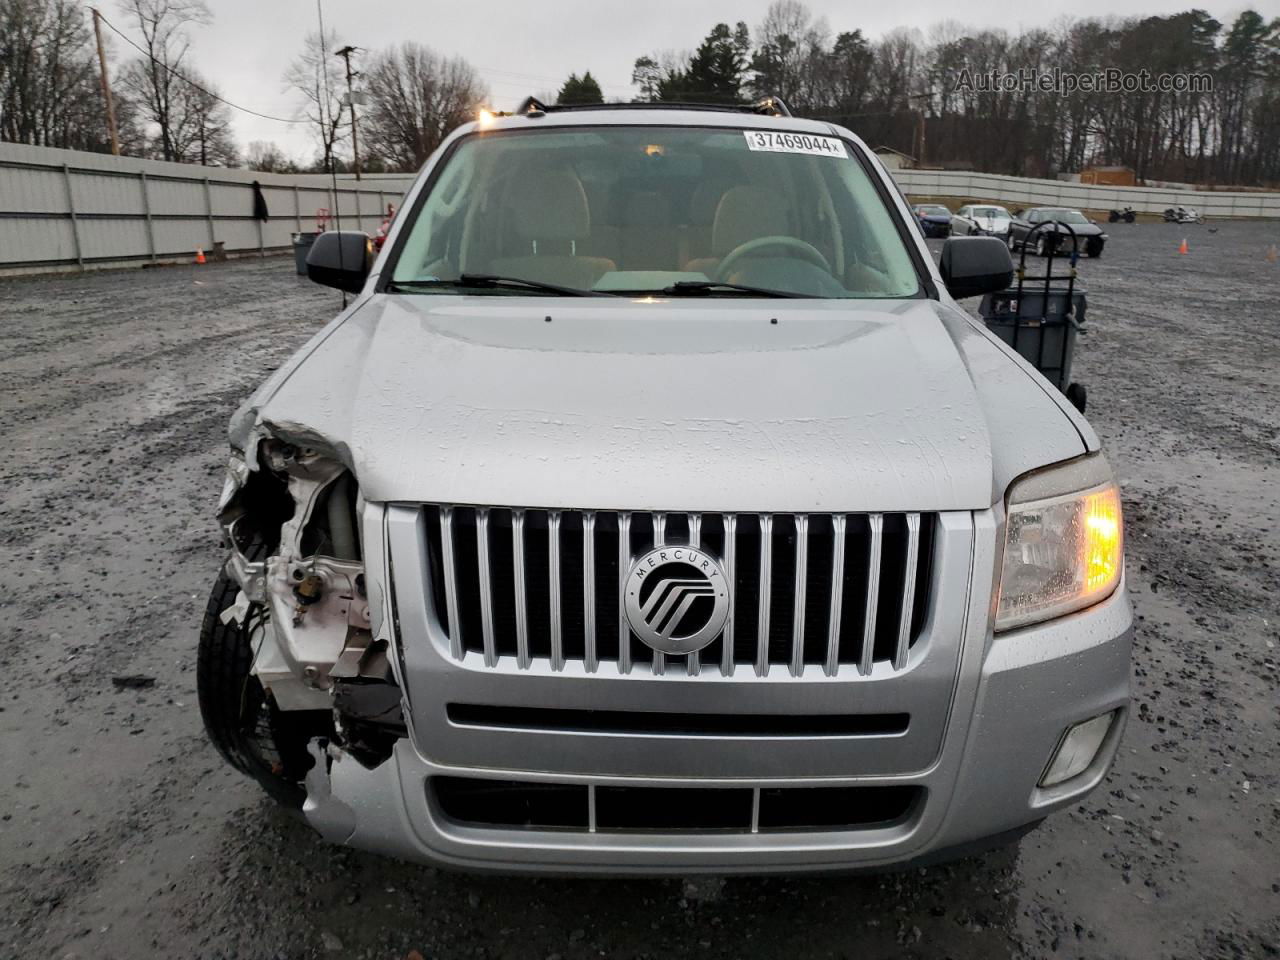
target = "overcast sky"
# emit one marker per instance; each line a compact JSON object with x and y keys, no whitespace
{"x":529,"y":47}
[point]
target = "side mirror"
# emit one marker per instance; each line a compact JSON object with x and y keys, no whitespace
{"x":341,"y":259}
{"x":971,"y":266}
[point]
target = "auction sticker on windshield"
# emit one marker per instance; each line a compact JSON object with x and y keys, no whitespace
{"x":806,"y":143}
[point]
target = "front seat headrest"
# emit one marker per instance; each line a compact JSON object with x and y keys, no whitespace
{"x":550,"y":205}
{"x":747,"y":213}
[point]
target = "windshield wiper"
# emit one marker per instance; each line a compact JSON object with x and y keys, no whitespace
{"x":489,"y":281}
{"x":706,"y":287}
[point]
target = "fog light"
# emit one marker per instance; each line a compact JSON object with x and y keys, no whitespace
{"x":1076,"y":751}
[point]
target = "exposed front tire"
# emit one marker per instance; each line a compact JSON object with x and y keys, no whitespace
{"x":1093,"y":248}
{"x":241,"y":719}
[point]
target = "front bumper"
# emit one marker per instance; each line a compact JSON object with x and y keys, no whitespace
{"x":1061,"y":242}
{"x":1013,"y":697}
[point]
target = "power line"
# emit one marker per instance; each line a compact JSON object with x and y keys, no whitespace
{"x":187,"y":80}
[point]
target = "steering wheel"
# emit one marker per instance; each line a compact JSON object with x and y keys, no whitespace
{"x":793,"y":245}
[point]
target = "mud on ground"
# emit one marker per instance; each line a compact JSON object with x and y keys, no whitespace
{"x":123,"y":835}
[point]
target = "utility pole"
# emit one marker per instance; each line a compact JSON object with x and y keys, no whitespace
{"x":106,"y":85}
{"x":923,"y":97}
{"x":345,"y":53}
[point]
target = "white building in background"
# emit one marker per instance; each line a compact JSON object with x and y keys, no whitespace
{"x":895,"y":159}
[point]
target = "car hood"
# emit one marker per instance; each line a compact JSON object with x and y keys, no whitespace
{"x":714,"y":405}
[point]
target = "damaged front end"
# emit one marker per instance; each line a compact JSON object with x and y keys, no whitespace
{"x":292,"y":514}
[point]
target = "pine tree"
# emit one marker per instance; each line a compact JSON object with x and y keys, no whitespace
{"x":716,"y":70}
{"x":582,"y":89}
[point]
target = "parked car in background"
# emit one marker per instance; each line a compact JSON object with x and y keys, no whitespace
{"x":981,"y":219}
{"x":935,"y":219}
{"x":1090,"y":238}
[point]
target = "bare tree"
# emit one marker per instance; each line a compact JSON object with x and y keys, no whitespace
{"x":316,"y":77}
{"x":894,"y":72}
{"x":202,"y":126}
{"x":268,"y":157}
{"x":49,"y":93}
{"x":155,"y":79}
{"x":416,"y":97}
{"x":197,"y":124}
{"x":789,"y":44}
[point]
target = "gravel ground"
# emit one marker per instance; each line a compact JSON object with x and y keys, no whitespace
{"x":123,"y":835}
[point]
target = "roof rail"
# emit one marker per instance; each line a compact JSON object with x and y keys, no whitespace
{"x":532,"y":105}
{"x":773,"y":107}
{"x":769,"y":106}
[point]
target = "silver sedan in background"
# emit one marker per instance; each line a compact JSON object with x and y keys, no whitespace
{"x":980,"y":219}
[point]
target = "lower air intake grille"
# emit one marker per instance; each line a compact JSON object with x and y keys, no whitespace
{"x":523,"y":805}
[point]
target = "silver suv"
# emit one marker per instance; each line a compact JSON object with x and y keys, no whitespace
{"x":653,"y":508}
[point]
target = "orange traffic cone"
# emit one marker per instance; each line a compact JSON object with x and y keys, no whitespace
{"x":1273,"y":254}
{"x":1183,"y":248}
{"x":200,"y":253}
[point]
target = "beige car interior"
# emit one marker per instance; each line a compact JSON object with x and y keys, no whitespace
{"x":550,"y":234}
{"x":543,"y":222}
{"x":548,"y":218}
{"x":742,"y":214}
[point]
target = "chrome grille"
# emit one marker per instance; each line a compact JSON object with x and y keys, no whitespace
{"x":812,"y":592}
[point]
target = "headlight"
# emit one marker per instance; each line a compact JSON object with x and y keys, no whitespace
{"x":1063,"y":543}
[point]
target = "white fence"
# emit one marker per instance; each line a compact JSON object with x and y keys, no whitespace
{"x":1023,"y":192}
{"x":64,"y":209}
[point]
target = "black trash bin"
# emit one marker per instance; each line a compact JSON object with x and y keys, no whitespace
{"x":1040,"y":324}
{"x":301,"y":247}
{"x":1040,"y":316}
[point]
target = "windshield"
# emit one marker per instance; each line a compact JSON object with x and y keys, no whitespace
{"x":927,"y":209}
{"x":672,"y":210}
{"x":1064,"y":216}
{"x":993,"y":213}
